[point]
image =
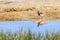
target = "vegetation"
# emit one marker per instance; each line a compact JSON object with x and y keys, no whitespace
{"x":29,"y":36}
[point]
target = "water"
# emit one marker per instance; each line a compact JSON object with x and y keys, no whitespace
{"x":15,"y":26}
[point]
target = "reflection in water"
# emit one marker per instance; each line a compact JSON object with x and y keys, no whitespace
{"x":16,"y":26}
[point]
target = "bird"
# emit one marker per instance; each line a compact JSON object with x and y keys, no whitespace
{"x":40,"y":13}
{"x":39,"y":24}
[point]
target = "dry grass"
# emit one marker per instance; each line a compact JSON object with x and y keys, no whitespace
{"x":51,"y":13}
{"x":19,"y":12}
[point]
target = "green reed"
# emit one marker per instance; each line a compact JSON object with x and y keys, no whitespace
{"x":29,"y":36}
